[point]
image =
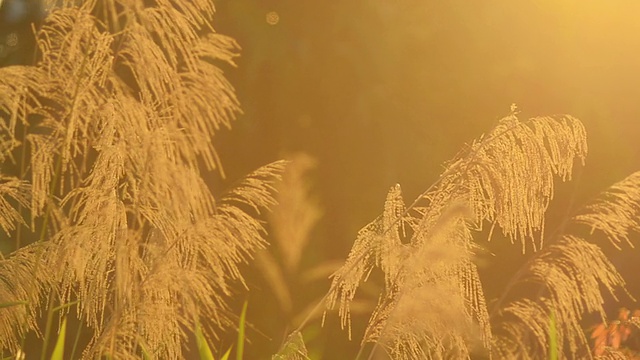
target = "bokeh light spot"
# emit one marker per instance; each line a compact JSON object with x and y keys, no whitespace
{"x":273,"y":18}
{"x":12,"y":39}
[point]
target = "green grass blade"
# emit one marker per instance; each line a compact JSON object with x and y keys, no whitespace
{"x":241,"y":335}
{"x":12,"y":303}
{"x":226,"y":355}
{"x":58,"y":351}
{"x":553,"y":337}
{"x":145,"y":353}
{"x":203,"y":347}
{"x":66,"y":305}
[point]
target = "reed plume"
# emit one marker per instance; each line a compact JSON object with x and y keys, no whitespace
{"x":432,"y":305}
{"x":119,"y":113}
{"x":571,"y":274}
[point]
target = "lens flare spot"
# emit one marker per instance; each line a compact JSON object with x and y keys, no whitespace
{"x":273,"y":18}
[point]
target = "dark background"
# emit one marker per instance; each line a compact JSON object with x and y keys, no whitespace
{"x":382,"y":92}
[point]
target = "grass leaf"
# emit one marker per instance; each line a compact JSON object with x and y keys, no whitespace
{"x":145,"y":353}
{"x":241,"y":329}
{"x":226,"y":355}
{"x":58,"y":351}
{"x":12,"y":303}
{"x":203,"y":347}
{"x":553,"y":337}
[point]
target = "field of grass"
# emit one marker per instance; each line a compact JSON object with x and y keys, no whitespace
{"x":123,"y":238}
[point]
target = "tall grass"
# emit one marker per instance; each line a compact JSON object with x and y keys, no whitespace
{"x":111,"y":130}
{"x":432,"y":304}
{"x":110,"y":134}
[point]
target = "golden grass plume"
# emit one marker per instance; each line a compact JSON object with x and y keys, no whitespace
{"x":119,"y":112}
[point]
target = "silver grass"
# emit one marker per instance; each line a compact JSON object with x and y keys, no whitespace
{"x":19,"y":191}
{"x":504,"y":178}
{"x":616,"y":213}
{"x":570,"y":274}
{"x":23,"y":281}
{"x":120,"y":111}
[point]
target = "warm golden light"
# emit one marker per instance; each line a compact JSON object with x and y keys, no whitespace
{"x":119,"y":227}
